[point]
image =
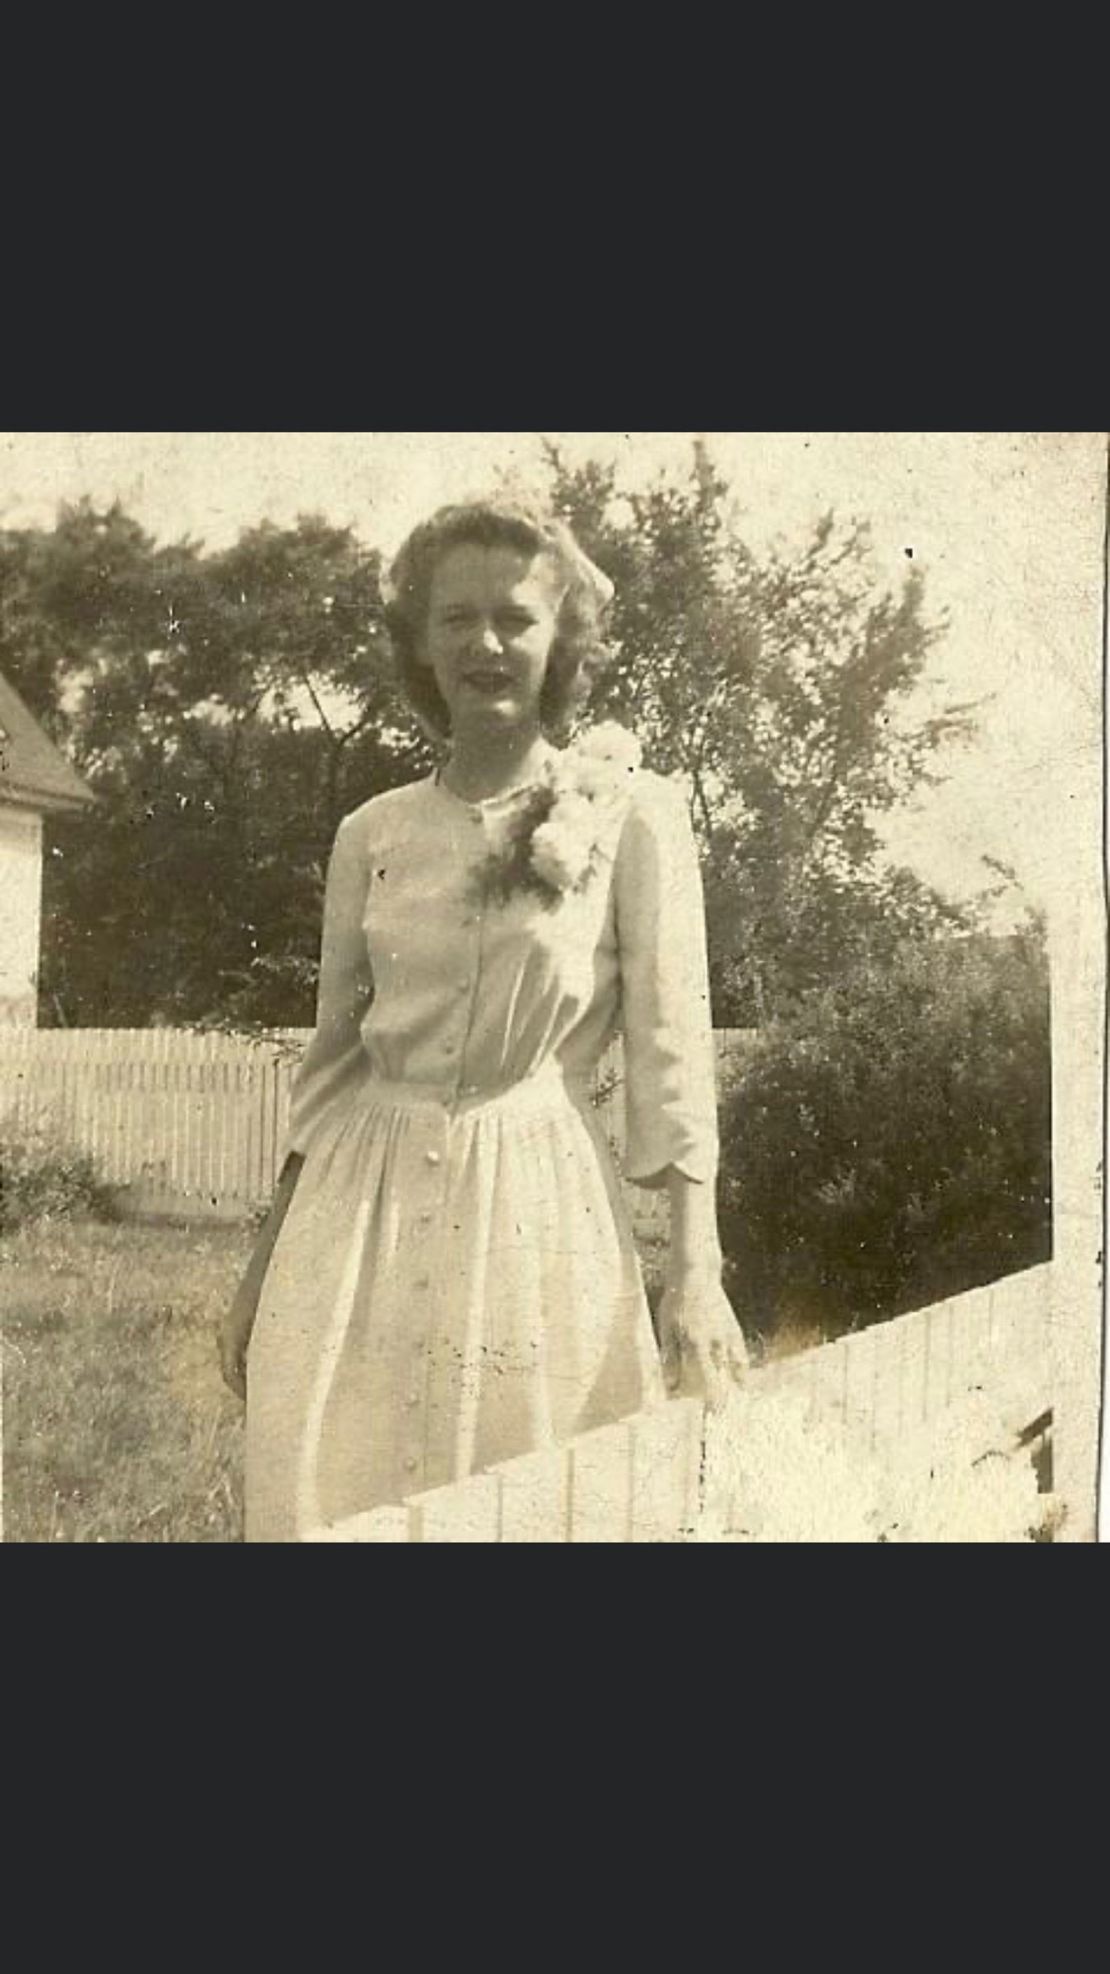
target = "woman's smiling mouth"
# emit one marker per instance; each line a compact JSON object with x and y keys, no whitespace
{"x":488,"y":679}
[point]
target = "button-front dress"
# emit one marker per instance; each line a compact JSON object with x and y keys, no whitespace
{"x":455,"y":1282}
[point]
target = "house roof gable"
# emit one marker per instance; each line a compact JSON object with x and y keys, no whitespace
{"x":32,"y":769}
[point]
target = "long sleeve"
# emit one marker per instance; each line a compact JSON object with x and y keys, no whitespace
{"x":335,"y":1060}
{"x":669,"y":1052}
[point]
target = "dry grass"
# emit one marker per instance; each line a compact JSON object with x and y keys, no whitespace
{"x":117,"y":1427}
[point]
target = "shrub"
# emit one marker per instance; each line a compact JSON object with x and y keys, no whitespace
{"x":888,"y":1145}
{"x":43,"y":1178}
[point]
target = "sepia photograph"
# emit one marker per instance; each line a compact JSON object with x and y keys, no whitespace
{"x":552,"y":986}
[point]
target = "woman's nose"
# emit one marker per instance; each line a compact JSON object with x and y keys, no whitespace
{"x":488,"y":642}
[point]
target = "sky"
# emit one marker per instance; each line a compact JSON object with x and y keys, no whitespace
{"x":1007,"y":528}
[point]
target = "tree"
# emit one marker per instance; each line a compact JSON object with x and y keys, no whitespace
{"x":228,"y":708}
{"x":78,"y":601}
{"x":779,"y":688}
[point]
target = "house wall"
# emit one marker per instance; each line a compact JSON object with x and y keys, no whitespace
{"x":20,"y":912}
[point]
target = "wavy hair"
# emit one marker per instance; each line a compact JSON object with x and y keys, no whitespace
{"x":579,"y":649}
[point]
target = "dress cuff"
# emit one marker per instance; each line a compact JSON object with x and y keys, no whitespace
{"x":689,"y":1150}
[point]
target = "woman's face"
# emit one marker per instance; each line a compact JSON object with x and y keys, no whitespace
{"x":492,"y":620}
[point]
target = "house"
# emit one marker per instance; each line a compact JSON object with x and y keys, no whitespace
{"x":36,"y":781}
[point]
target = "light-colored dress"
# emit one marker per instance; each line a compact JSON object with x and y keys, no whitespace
{"x":455,"y":1282}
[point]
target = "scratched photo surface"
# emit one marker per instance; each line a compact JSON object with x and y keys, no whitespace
{"x":796,"y":912}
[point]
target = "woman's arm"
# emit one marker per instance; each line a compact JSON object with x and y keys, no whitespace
{"x":238,"y":1321}
{"x":670,"y":1080}
{"x":695,"y":1246}
{"x":335,"y":1058}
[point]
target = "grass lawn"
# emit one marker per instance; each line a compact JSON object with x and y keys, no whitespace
{"x":117,"y":1426}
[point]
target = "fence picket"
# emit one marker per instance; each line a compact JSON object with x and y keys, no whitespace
{"x":535,"y":1497}
{"x":172,"y":1141}
{"x":970,"y":1341}
{"x":889,"y":1382}
{"x":95,"y":1112}
{"x":376,"y":1525}
{"x":937,"y":1369}
{"x":120,"y":1089}
{"x":601,"y":1485}
{"x":861,"y":1376}
{"x":467,"y":1512}
{"x":828,"y":1387}
{"x":915,"y":1368}
{"x":665,"y":1454}
{"x":222,"y":1187}
{"x":65,"y":1081}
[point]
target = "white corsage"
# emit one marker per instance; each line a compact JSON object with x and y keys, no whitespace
{"x":557,"y":839}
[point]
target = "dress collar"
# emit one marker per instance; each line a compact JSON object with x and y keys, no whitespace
{"x":506,"y":795}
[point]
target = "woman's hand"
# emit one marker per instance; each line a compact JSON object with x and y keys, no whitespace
{"x":700,"y":1340}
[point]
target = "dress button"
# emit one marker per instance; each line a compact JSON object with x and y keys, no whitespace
{"x":411,"y":1464}
{"x":412,"y":1401}
{"x":463,"y":985}
{"x":423,"y":1282}
{"x":433,"y":1158}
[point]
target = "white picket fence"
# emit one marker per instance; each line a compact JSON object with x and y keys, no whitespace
{"x":179,"y":1123}
{"x":189,"y":1125}
{"x":933,"y":1395}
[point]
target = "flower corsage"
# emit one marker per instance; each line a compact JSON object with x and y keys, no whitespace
{"x":557,"y":837}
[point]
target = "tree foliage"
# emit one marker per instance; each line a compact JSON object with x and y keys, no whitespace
{"x":780,"y":687}
{"x":228,"y":709}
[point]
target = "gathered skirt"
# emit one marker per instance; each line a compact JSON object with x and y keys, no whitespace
{"x":455,"y":1284}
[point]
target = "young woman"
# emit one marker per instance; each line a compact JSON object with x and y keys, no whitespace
{"x":448,"y":1277}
